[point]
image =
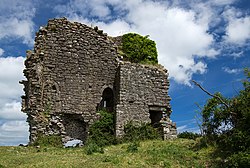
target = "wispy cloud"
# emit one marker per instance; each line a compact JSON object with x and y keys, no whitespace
{"x":188,"y":128}
{"x":231,"y":71}
{"x":181,"y":128}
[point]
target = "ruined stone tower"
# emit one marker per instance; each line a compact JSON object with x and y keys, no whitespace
{"x":75,"y":70}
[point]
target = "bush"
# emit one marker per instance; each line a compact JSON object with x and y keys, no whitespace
{"x":188,"y":135}
{"x":48,"y":140}
{"x":133,"y":147}
{"x":241,"y":159}
{"x":102,"y":131}
{"x":139,"y":49}
{"x":93,"y":148}
{"x":234,"y":141}
{"x":136,"y":132}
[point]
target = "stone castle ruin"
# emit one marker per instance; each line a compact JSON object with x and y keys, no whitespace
{"x":75,"y":70}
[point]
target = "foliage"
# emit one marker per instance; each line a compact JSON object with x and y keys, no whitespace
{"x":102,"y":131}
{"x":93,"y":148}
{"x":227,"y":124}
{"x":133,"y":147}
{"x":139,"y":49}
{"x":241,"y":159}
{"x":188,"y":135}
{"x":101,"y":134}
{"x":48,"y":140}
{"x":137,"y":132}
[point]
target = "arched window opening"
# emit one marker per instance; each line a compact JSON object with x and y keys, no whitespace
{"x":107,"y":101}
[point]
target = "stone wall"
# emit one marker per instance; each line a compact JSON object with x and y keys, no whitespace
{"x":75,"y":70}
{"x":67,"y":72}
{"x":143,"y":92}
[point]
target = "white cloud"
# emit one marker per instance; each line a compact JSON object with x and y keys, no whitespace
{"x":1,"y":52}
{"x":94,"y":8}
{"x":12,"y":111}
{"x":223,"y":2}
{"x":237,"y":54}
{"x":181,"y":128}
{"x":11,"y":72}
{"x":115,"y":28}
{"x":16,"y":20}
{"x":13,"y":129}
{"x":181,"y":36}
{"x":13,"y":133}
{"x":231,"y":71}
{"x":238,"y":30}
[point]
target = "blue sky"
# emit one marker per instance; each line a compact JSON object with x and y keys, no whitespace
{"x":208,"y":41}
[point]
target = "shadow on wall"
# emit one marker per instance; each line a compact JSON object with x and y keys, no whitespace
{"x":75,"y":127}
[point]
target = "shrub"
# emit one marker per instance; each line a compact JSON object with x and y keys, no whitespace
{"x":136,"y":132}
{"x":93,"y":148}
{"x":133,"y":147}
{"x":48,"y":140}
{"x":188,"y":135}
{"x":139,"y":49}
{"x":102,"y":131}
{"x":241,"y":159}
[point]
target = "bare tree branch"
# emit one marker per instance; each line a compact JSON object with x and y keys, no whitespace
{"x":212,"y":95}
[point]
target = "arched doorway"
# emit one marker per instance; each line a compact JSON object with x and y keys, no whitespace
{"x":107,"y":101}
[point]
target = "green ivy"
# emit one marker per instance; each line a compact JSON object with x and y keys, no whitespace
{"x":139,"y":49}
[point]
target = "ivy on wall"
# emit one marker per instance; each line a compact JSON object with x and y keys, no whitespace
{"x":139,"y":49}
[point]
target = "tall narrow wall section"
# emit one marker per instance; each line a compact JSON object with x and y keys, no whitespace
{"x":70,"y":67}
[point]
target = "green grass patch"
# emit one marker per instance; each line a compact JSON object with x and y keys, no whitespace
{"x":150,"y":153}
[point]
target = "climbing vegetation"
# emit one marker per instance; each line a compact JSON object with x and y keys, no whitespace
{"x":139,"y":49}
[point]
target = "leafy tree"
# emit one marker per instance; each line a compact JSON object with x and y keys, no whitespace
{"x":226,"y":123}
{"x":139,"y":49}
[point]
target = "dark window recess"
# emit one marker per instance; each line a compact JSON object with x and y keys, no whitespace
{"x":155,"y":117}
{"x":107,"y":101}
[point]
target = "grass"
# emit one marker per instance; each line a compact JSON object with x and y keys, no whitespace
{"x":149,"y":154}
